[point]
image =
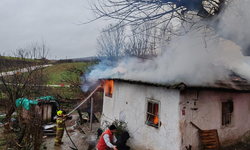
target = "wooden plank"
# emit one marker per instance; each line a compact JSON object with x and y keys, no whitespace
{"x":195,"y":125}
{"x":207,"y":134}
{"x":209,"y":139}
{"x":209,"y":142}
{"x":210,"y":146}
{"x":208,"y":131}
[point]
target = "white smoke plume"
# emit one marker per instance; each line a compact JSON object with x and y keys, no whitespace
{"x":195,"y":59}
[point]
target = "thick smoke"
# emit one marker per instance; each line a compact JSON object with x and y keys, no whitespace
{"x":234,"y":23}
{"x":195,"y":59}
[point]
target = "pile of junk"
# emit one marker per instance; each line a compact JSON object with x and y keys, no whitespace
{"x":46,"y":109}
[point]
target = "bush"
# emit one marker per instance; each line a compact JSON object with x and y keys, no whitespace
{"x":121,"y":126}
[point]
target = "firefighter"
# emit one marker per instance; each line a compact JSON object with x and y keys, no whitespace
{"x":60,"y":121}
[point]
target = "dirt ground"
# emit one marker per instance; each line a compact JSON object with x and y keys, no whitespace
{"x":81,"y":140}
{"x":86,"y":141}
{"x":238,"y":146}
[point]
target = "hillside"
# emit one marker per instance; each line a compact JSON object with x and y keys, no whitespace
{"x":57,"y":71}
{"x":13,"y":63}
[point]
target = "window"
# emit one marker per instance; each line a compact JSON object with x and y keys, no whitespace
{"x":227,"y":109}
{"x":109,"y":88}
{"x":152,"y":114}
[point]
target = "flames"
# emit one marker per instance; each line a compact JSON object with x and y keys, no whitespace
{"x":156,"y":119}
{"x":109,"y":87}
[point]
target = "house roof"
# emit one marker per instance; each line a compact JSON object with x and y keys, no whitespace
{"x":233,"y":83}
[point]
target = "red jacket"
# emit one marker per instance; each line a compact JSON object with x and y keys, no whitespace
{"x":101,"y":144}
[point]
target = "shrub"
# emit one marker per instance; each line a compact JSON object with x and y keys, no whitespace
{"x":121,"y":126}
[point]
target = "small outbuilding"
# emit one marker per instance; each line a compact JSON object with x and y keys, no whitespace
{"x":42,"y":108}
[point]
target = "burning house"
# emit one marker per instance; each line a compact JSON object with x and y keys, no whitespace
{"x":188,"y":89}
{"x":170,"y":102}
{"x":167,"y":116}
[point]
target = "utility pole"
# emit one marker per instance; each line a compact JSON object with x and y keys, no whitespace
{"x":91,"y":113}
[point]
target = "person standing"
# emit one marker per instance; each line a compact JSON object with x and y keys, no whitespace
{"x":107,"y":138}
{"x":60,"y":121}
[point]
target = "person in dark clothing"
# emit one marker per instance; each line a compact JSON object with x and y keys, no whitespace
{"x":89,"y":112}
{"x":99,"y":132}
{"x":122,"y":140}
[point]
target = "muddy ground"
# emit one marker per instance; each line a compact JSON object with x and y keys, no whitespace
{"x":81,"y":140}
{"x":88,"y":140}
{"x":238,"y":146}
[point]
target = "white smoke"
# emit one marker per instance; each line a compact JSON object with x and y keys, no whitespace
{"x":190,"y":62}
{"x":195,"y":59}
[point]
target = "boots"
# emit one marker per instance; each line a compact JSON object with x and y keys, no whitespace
{"x":56,"y":144}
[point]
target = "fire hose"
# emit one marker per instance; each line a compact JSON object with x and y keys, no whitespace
{"x":70,"y":138}
{"x":84,"y":100}
{"x":77,"y":120}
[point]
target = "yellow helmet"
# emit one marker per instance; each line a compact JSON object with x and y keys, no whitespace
{"x":59,"y":112}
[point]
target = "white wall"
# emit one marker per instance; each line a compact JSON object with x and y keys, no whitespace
{"x":129,"y":103}
{"x":209,"y":116}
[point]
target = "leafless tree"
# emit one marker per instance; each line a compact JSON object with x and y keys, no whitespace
{"x":141,"y":11}
{"x":22,"y":76}
{"x":110,"y":43}
{"x":73,"y":76}
{"x":143,"y":41}
{"x":38,"y":50}
{"x":166,"y":34}
{"x":193,"y":12}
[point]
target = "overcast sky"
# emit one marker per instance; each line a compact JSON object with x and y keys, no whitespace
{"x":54,"y":21}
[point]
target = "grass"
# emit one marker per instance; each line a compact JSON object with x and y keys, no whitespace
{"x":17,"y":58}
{"x":57,"y":71}
{"x":65,"y":92}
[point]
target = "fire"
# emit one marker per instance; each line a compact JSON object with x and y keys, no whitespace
{"x":109,"y":87}
{"x":156,"y":119}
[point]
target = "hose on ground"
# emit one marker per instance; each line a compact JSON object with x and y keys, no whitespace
{"x":70,"y":138}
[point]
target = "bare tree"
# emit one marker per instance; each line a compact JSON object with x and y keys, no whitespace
{"x":141,"y":11}
{"x":73,"y":76}
{"x":165,"y":36}
{"x":143,"y":41}
{"x":110,"y":43}
{"x":193,"y":12}
{"x":38,"y":50}
{"x":21,"y":76}
{"x":44,"y":50}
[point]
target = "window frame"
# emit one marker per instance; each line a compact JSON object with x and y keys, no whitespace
{"x":150,"y":123}
{"x":229,"y":113}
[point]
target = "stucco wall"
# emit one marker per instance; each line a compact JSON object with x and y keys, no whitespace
{"x":209,"y":116}
{"x":129,"y":104}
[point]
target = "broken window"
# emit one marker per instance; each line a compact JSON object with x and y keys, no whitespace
{"x":227,"y":109}
{"x":109,"y":88}
{"x":152,"y":114}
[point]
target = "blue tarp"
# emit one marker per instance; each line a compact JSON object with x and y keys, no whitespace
{"x":26,"y":102}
